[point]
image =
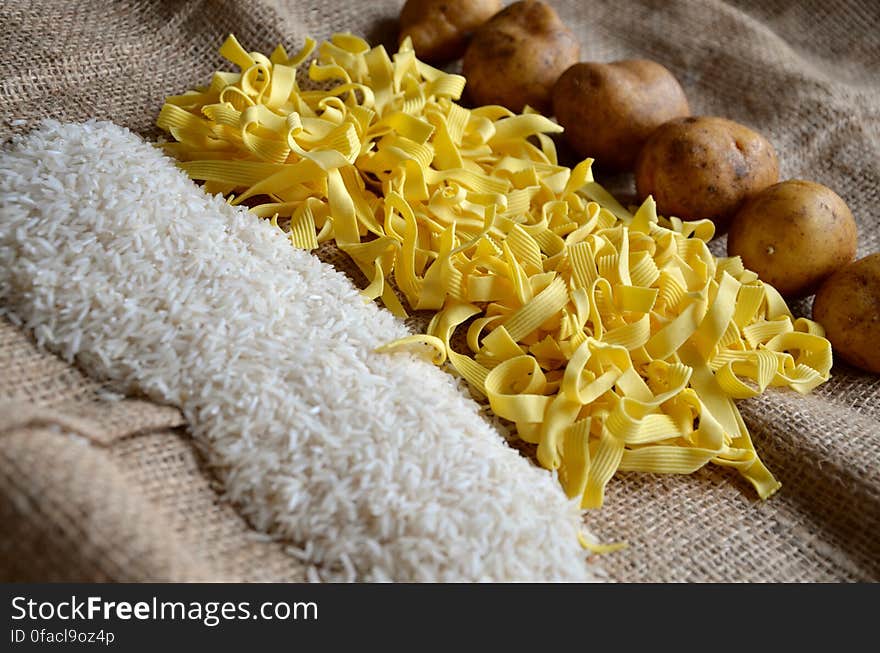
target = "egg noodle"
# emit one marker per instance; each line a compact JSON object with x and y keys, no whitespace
{"x":613,"y":340}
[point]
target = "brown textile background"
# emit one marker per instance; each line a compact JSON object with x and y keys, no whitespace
{"x":95,"y":488}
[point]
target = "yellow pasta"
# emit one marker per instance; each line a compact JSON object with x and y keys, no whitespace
{"x":613,"y":340}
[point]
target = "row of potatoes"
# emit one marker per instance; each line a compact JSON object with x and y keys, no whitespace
{"x":633,"y":115}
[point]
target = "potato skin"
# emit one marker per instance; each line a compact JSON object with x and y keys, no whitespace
{"x":609,"y":110}
{"x":794,"y":234}
{"x":848,"y":306}
{"x":704,"y":167}
{"x":440,"y":29}
{"x":515,"y":59}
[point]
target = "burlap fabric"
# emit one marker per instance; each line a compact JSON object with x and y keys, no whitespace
{"x":96,"y":488}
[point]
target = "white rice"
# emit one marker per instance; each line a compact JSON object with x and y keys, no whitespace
{"x":371,"y":467}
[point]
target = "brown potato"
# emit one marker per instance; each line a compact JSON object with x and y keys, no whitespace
{"x":609,"y":110}
{"x":848,"y":306}
{"x":704,"y":167}
{"x":794,"y":235}
{"x":440,"y":29}
{"x":515,"y":59}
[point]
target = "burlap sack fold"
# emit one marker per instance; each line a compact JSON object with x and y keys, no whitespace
{"x":93,"y":487}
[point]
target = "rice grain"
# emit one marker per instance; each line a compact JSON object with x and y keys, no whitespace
{"x":370,"y":466}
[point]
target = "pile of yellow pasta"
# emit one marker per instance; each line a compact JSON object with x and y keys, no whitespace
{"x":613,"y":340}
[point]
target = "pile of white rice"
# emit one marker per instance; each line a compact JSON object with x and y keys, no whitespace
{"x":375,"y":466}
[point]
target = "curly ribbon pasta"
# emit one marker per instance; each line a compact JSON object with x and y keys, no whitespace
{"x":614,"y":341}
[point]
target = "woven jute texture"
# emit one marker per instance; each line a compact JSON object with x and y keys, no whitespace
{"x":97,"y":487}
